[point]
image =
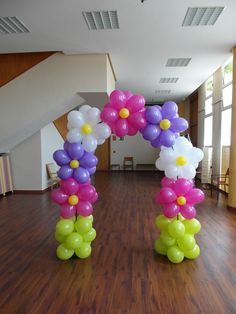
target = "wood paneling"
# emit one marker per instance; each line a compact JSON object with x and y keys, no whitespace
{"x":14,"y":64}
{"x":103,"y":154}
{"x":123,"y":275}
{"x":61,"y":125}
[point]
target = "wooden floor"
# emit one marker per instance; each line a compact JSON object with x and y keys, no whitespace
{"x":123,"y":275}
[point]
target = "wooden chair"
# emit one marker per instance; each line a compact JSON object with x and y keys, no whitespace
{"x":52,"y":174}
{"x":128,"y":163}
{"x":220,"y":181}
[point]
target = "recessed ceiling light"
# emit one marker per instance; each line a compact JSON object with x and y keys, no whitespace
{"x":163,"y":91}
{"x":178,"y":62}
{"x":101,"y":20}
{"x":168,"y":80}
{"x":202,"y":16}
{"x":12,"y":25}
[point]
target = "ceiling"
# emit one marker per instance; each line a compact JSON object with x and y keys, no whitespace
{"x":150,"y":33}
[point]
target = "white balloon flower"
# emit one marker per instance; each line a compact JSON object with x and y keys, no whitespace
{"x":181,"y":160}
{"x":85,"y":126}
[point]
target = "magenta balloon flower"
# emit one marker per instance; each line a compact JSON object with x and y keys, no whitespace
{"x":163,"y":124}
{"x":75,"y":198}
{"x":124,"y":113}
{"x":179,"y":197}
{"x":75,"y":162}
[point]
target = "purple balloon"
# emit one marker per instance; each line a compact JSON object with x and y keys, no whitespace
{"x":150,"y":132}
{"x":65,"y":172}
{"x":89,"y":160}
{"x":81,"y":175}
{"x":61,"y":157}
{"x":169,"y":110}
{"x":167,"y":138}
{"x":75,"y":150}
{"x":153,"y":115}
{"x":178,"y":125}
{"x":92,"y":170}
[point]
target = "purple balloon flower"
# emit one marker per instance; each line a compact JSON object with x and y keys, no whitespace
{"x":75,"y":162}
{"x":163,"y":124}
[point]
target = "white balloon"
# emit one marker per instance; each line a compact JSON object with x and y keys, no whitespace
{"x":76,"y":119}
{"x":92,"y":116}
{"x":69,"y":126}
{"x":167,"y":155}
{"x":182,"y":145}
{"x":100,"y":141}
{"x":83,"y":109}
{"x":74,"y":136}
{"x":159,"y":164}
{"x":102,"y":131}
{"x":171,"y":171}
{"x":89,"y":143}
{"x":188,"y":172}
{"x":197,"y":154}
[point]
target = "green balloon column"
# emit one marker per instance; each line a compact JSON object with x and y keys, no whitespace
{"x":126,"y":114}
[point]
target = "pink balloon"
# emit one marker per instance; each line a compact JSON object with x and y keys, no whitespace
{"x":94,"y":197}
{"x":167,"y":182}
{"x":135,"y":103}
{"x":195,"y":196}
{"x":182,"y":186}
{"x":70,"y":186}
{"x":59,"y":197}
{"x":137,"y":120}
{"x":171,"y":210}
{"x":117,"y":99}
{"x":109,"y":114}
{"x":188,"y":211}
{"x":67,"y":211}
{"x":128,"y":94}
{"x":84,"y":208}
{"x":132,"y":131}
{"x":165,"y":195}
{"x":87,"y":193}
{"x":121,"y":128}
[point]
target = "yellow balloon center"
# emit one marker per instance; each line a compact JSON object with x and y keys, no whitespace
{"x":73,"y":200}
{"x":181,"y":200}
{"x":165,"y":124}
{"x":74,"y":164}
{"x":124,"y":113}
{"x":180,"y":161}
{"x":86,"y":129}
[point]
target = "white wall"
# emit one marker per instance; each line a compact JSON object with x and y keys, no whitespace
{"x":135,"y":146}
{"x":51,"y":140}
{"x":26,"y":164}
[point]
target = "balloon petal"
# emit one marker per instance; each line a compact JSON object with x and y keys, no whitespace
{"x":89,"y":143}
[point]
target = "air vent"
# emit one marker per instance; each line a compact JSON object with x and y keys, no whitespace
{"x":101,"y":20}
{"x":178,"y":62}
{"x":169,"y":80}
{"x":12,"y":25}
{"x":202,"y":16}
{"x":163,"y":91}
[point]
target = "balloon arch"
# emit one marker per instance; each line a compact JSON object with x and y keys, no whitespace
{"x":125,"y":114}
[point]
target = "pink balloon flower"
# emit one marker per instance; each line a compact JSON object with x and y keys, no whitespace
{"x":75,"y":198}
{"x":124,"y":113}
{"x":179,"y":197}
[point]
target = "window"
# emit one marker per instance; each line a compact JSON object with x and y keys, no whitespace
{"x":208,"y":121}
{"x":227,"y":84}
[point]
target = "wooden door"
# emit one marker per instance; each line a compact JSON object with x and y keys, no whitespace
{"x":103,"y":155}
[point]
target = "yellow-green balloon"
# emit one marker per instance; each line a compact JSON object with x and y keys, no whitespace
{"x":65,"y":227}
{"x":73,"y":241}
{"x":84,"y":250}
{"x":90,"y":217}
{"x":162,"y":222}
{"x":194,"y":253}
{"x":175,"y":255}
{"x":192,"y":226}
{"x":159,"y":247}
{"x":60,"y":238}
{"x":83,"y":225}
{"x":186,"y":242}
{"x":63,"y":252}
{"x":176,"y":229}
{"x":167,"y":239}
{"x":89,"y":236}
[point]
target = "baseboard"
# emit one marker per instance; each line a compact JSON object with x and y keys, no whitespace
{"x":31,"y":191}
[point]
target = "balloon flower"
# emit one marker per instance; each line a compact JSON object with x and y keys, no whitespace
{"x":163,"y":124}
{"x":179,"y":197}
{"x":180,"y":161}
{"x":75,"y":162}
{"x":124,"y":113}
{"x":75,"y":198}
{"x":85,"y":127}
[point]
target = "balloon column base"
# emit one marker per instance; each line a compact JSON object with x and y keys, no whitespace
{"x":75,"y":236}
{"x":177,"y":239}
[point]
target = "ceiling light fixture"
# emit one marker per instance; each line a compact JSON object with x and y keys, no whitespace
{"x":178,"y":62}
{"x":202,"y":16}
{"x":12,"y":25}
{"x":101,"y":20}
